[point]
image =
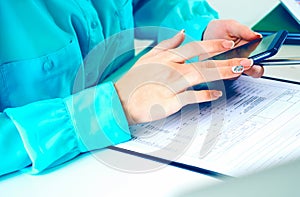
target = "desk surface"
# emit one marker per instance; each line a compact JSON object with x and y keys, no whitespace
{"x":87,"y":176}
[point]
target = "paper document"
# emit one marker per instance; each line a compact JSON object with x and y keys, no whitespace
{"x":256,"y":127}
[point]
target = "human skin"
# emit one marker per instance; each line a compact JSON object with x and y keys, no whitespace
{"x":158,"y":84}
{"x":237,"y":32}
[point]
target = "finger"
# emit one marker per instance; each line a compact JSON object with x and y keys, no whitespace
{"x":212,"y":70}
{"x":241,"y":31}
{"x":255,"y":71}
{"x":171,"y":43}
{"x":207,"y":71}
{"x":229,"y":63}
{"x":202,"y":48}
{"x":208,"y":55}
{"x":191,"y":97}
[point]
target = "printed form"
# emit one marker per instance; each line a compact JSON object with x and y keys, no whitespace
{"x":256,"y":126}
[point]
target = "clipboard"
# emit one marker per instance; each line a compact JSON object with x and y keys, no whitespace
{"x":227,"y":170}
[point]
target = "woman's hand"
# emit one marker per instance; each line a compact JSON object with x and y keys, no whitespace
{"x":229,"y":30}
{"x":233,"y":30}
{"x":157,"y":85}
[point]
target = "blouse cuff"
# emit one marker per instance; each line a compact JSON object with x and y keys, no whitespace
{"x":46,"y":132}
{"x":55,"y":131}
{"x":98,"y":117}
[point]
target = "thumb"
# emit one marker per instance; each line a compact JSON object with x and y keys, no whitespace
{"x":171,"y":43}
{"x":244,"y":32}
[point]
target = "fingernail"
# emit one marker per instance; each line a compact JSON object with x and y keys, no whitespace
{"x":228,"y":44}
{"x":246,"y":62}
{"x":237,"y":69}
{"x":258,"y":34}
{"x":180,"y":33}
{"x":217,"y":93}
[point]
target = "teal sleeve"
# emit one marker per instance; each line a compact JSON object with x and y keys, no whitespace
{"x":190,"y":15}
{"x":13,"y":155}
{"x":54,"y":131}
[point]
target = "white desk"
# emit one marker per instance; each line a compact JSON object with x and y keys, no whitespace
{"x":86,"y":176}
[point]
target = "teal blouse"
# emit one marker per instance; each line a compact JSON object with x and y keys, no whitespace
{"x":55,"y":104}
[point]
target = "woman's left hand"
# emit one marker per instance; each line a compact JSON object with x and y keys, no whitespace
{"x":237,"y":32}
{"x":229,"y":30}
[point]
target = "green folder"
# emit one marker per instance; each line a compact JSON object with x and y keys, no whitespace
{"x":279,"y":18}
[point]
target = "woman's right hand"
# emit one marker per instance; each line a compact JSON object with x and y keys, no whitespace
{"x":157,"y":85}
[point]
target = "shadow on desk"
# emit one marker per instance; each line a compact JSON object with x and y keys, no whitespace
{"x":276,"y":182}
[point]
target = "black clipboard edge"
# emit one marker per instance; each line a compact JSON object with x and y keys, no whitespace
{"x":281,"y":80}
{"x":174,"y":163}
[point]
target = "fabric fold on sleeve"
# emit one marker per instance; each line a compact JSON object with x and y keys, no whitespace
{"x":55,"y":131}
{"x":191,"y":15}
{"x":13,"y":155}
